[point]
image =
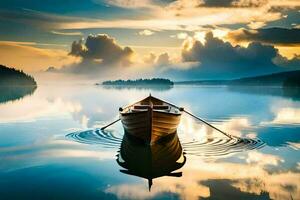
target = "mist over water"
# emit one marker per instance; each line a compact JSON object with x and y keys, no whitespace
{"x":51,"y":140}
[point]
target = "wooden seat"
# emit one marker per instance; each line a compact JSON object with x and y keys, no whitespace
{"x":156,"y":107}
{"x":141,"y":107}
{"x":161,"y":107}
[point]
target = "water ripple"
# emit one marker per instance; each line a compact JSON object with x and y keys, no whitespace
{"x":212,"y":147}
{"x":221,"y":146}
{"x":104,"y":138}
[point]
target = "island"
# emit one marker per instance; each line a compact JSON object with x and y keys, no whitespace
{"x":159,"y":84}
{"x":15,"y":84}
{"x":153,"y":81}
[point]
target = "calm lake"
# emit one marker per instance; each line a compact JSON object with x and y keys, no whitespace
{"x":51,"y":146}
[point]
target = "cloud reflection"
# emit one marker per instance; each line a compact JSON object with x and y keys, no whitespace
{"x":40,"y":152}
{"x":288,"y":115}
{"x":251,"y":178}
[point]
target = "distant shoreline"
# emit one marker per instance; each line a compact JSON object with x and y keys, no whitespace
{"x":11,"y":77}
{"x":281,"y":79}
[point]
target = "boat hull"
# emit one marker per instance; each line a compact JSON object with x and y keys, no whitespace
{"x":150,"y":125}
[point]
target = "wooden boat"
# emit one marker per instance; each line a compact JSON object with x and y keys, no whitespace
{"x":150,"y":119}
{"x":151,"y":161}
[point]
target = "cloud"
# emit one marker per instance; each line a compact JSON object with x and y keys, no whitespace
{"x":214,"y":57}
{"x":234,"y":3}
{"x":99,"y":53}
{"x":225,"y":13}
{"x":160,"y":15}
{"x":269,"y":35}
{"x":217,"y":3}
{"x":240,"y":3}
{"x":295,"y":146}
{"x":131,"y":3}
{"x":150,"y":59}
{"x":208,"y":58}
{"x":180,"y":36}
{"x":67,"y":33}
{"x":177,"y":15}
{"x":146,"y":32}
{"x":101,"y":47}
{"x":77,"y":48}
{"x":217,"y":56}
{"x":256,"y":25}
{"x":249,"y":3}
{"x":289,"y":63}
{"x":163,"y":59}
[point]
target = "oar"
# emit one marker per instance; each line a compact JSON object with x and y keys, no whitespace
{"x":120,"y":109}
{"x":104,"y":127}
{"x":198,"y":118}
{"x":205,"y":122}
{"x":181,"y":109}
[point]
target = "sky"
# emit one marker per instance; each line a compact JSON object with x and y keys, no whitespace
{"x":176,"y":39}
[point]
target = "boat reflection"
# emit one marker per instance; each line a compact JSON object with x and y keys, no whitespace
{"x":151,"y":161}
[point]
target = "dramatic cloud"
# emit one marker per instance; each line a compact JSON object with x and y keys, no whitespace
{"x":208,"y":57}
{"x":102,"y":47}
{"x":268,"y":35}
{"x":220,"y":59}
{"x":215,"y":51}
{"x":131,"y":21}
{"x":214,"y":47}
{"x":99,"y":52}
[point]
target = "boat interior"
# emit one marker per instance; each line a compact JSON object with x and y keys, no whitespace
{"x":155,"y":104}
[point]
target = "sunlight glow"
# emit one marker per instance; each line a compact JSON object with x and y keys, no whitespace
{"x":200,"y":36}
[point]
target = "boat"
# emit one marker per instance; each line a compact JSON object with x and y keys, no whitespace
{"x":150,"y":119}
{"x":151,"y":161}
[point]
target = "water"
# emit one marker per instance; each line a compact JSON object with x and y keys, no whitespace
{"x":51,"y":145}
